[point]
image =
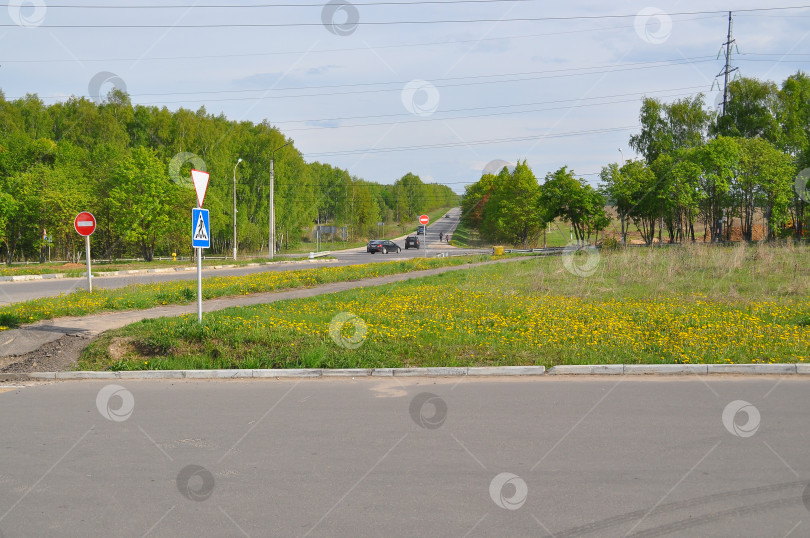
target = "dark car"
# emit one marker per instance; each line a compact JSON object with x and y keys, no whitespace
{"x":384,"y":246}
{"x":447,"y":216}
{"x":412,"y":241}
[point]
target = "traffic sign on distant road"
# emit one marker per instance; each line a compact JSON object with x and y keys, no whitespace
{"x":85,"y":223}
{"x":424,"y":219}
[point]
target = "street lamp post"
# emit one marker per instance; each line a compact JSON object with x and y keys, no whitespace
{"x":271,"y":246}
{"x":234,"y":208}
{"x":622,"y":154}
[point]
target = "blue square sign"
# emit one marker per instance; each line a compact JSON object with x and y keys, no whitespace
{"x":200,"y":228}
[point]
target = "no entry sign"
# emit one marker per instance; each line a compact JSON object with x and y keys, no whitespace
{"x":85,"y":223}
{"x":424,"y":219}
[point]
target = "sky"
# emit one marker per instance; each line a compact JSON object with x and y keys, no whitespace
{"x":444,"y":89}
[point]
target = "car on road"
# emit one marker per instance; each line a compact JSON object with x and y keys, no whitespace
{"x":412,"y":241}
{"x":447,"y":216}
{"x":382,"y":245}
{"x":421,"y":230}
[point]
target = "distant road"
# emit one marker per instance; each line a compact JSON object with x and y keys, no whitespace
{"x":560,"y":457}
{"x":12,"y":292}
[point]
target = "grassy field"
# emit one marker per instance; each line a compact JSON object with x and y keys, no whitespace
{"x":142,"y":296}
{"x":558,"y":234}
{"x":694,"y":304}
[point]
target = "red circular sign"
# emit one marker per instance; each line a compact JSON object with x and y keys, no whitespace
{"x":85,"y":223}
{"x":424,"y":219}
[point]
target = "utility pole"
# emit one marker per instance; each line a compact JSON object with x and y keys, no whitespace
{"x":727,"y":69}
{"x":234,"y":208}
{"x":271,"y":243}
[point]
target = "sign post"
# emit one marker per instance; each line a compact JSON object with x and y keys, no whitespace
{"x":200,"y":230}
{"x":85,"y":224}
{"x":424,"y":219}
{"x":200,"y":239}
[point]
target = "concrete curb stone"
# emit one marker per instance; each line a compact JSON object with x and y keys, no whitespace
{"x":153,"y":374}
{"x":481,"y":371}
{"x":752,"y":369}
{"x":87,"y":375}
{"x":587,"y":369}
{"x":661,"y":369}
{"x":505,"y":370}
{"x":431,"y":371}
{"x":347,"y":372}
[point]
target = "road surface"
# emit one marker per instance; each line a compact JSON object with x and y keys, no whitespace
{"x":12,"y":292}
{"x":407,"y":457}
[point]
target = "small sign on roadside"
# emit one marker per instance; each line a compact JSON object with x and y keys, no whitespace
{"x":85,"y":225}
{"x":201,"y":228}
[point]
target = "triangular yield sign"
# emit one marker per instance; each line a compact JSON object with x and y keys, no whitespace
{"x":200,"y":180}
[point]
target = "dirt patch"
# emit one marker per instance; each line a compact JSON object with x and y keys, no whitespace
{"x":119,"y":347}
{"x":56,"y":356}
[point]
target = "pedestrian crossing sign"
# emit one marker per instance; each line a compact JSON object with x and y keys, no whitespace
{"x":200,"y":228}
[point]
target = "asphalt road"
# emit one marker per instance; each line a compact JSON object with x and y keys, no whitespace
{"x":12,"y":292}
{"x":407,"y":457}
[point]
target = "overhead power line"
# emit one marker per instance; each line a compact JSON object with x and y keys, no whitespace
{"x":399,"y":22}
{"x":438,"y":83}
{"x":321,"y":51}
{"x":265,"y":6}
{"x":472,"y":142}
{"x":493,"y":107}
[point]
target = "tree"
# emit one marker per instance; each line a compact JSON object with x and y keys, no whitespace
{"x":719,"y":161}
{"x":567,"y":197}
{"x":143,"y":200}
{"x":750,"y":111}
{"x":765,"y":180}
{"x":511,"y":215}
{"x":668,"y":127}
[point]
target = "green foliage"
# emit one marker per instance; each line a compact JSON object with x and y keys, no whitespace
{"x":570,"y":198}
{"x":512,"y":208}
{"x":130,"y":167}
{"x":512,"y":215}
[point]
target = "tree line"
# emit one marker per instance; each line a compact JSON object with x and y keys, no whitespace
{"x":698,"y":166}
{"x":130,"y":167}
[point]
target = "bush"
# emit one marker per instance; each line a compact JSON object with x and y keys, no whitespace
{"x":610,"y":243}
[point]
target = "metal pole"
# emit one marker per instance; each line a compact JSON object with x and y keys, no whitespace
{"x":89,"y":275}
{"x":272,"y":217}
{"x":272,"y":224}
{"x":234,"y":208}
{"x":199,"y":285}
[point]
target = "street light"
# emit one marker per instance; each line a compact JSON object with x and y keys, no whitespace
{"x":271,"y":246}
{"x":234,"y":208}
{"x":622,"y":154}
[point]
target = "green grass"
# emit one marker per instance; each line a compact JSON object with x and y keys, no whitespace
{"x":558,"y":234}
{"x":467,"y":237}
{"x":678,"y":305}
{"x":79,"y":269}
{"x":143,"y":296}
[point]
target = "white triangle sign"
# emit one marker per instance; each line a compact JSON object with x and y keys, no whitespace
{"x":200,"y":180}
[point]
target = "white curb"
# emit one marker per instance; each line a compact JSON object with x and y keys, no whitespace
{"x":587,"y":369}
{"x":477,"y":371}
